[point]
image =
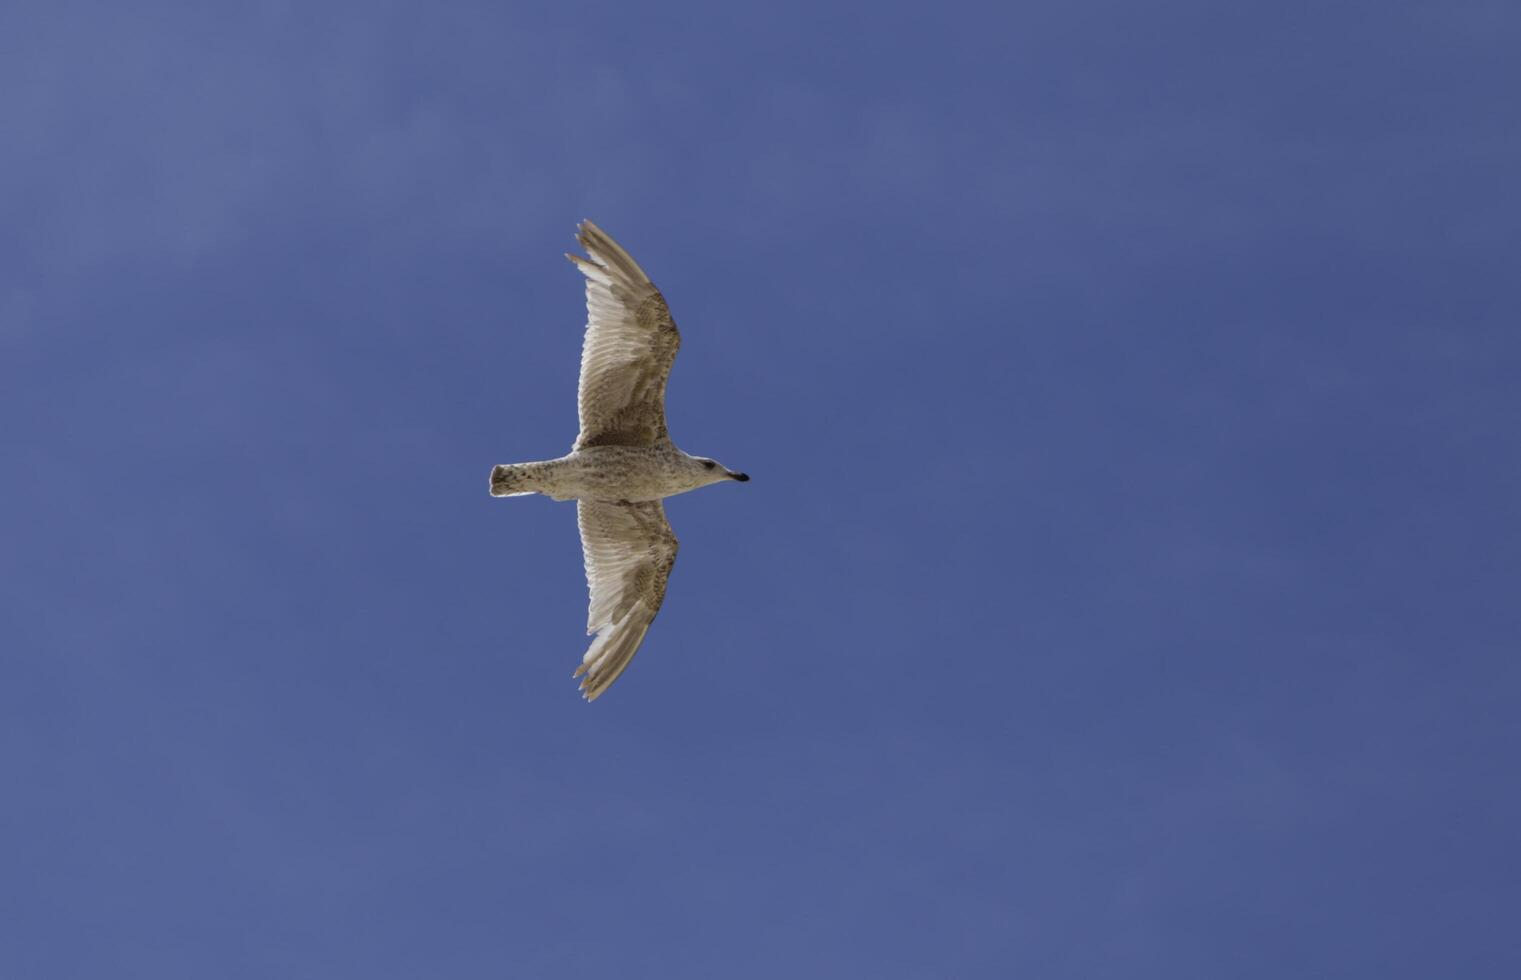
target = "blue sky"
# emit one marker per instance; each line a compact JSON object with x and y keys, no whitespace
{"x":1127,"y":586}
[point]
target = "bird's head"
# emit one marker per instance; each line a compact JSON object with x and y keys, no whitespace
{"x":712,"y":471}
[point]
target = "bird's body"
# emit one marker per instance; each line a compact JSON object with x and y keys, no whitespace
{"x":623,"y":462}
{"x":613,"y":473}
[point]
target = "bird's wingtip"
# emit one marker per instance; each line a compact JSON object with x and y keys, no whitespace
{"x":589,"y":691}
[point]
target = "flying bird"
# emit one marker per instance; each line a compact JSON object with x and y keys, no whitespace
{"x":623,"y":463}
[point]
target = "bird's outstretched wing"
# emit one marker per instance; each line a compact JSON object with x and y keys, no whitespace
{"x":629,"y":550}
{"x":630,"y":344}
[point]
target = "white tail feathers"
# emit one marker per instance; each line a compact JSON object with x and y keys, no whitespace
{"x":512,"y":481}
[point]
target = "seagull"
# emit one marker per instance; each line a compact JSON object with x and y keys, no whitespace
{"x":623,"y":463}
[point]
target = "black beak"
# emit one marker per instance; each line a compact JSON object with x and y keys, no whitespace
{"x":741,"y":477}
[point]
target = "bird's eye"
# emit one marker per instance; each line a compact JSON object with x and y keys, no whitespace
{"x":708,"y":464}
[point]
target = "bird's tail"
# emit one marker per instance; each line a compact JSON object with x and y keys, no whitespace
{"x":513,"y":481}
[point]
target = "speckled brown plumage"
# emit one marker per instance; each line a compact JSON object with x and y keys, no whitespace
{"x":623,"y":461}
